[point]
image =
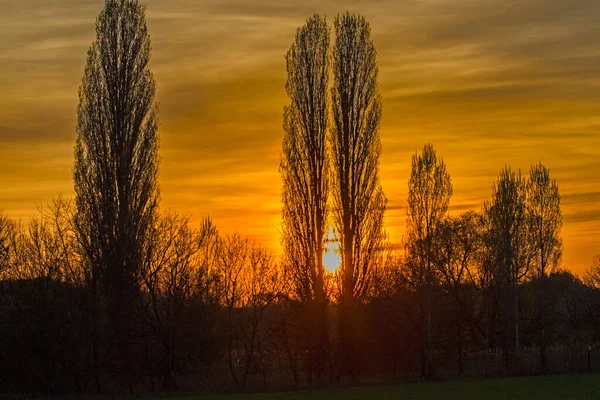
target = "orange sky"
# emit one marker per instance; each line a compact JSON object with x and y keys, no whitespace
{"x":488,"y":83}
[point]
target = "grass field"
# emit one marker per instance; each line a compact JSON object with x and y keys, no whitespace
{"x":581,"y":386}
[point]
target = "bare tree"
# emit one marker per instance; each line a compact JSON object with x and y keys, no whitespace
{"x":543,"y":207}
{"x":233,"y":252}
{"x":589,"y":303}
{"x":43,"y":300}
{"x":304,"y":170}
{"x":8,"y":233}
{"x":45,"y":249}
{"x":385,"y":271}
{"x":512,"y":251}
{"x":289,"y":331}
{"x":484,"y":275}
{"x":460,"y":246}
{"x":592,"y":275}
{"x":250,"y":284}
{"x":116,"y":167}
{"x":176,"y":281}
{"x":359,"y":202}
{"x":429,"y":192}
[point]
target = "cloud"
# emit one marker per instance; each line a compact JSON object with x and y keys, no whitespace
{"x":579,"y":198}
{"x":583,"y":216}
{"x":488,"y":83}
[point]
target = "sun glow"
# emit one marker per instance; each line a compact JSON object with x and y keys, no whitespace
{"x":331,"y":255}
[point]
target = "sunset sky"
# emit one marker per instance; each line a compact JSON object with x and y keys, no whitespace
{"x":488,"y":83}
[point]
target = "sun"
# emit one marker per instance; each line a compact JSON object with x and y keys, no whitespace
{"x":331,"y":255}
{"x":331,"y":258}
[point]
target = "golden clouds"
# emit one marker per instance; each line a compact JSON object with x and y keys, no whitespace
{"x":488,"y":83}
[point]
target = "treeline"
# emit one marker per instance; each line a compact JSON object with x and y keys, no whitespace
{"x":215,"y":312}
{"x":109,"y":294}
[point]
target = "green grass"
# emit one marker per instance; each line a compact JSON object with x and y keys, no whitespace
{"x":581,"y":386}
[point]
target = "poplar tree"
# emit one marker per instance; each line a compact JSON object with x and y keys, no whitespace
{"x":304,"y":171}
{"x":429,"y":193}
{"x":543,"y":207}
{"x":115,"y":175}
{"x":358,"y":199}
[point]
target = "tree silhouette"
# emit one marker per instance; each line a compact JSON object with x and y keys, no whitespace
{"x":304,"y":171}
{"x":359,"y":202}
{"x":8,"y":233}
{"x":116,"y":167}
{"x":250,"y":283}
{"x":429,"y":192}
{"x":177,"y":280}
{"x":42,"y":305}
{"x":592,"y":275}
{"x":512,"y":254}
{"x":484,"y":277}
{"x":460,"y":247}
{"x":543,"y":207}
{"x":590,"y":302}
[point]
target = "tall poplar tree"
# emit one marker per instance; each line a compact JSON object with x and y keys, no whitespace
{"x":304,"y":171}
{"x":115,"y":175}
{"x":358,"y":200}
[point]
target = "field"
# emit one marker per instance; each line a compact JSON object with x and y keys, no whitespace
{"x":581,"y":386}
